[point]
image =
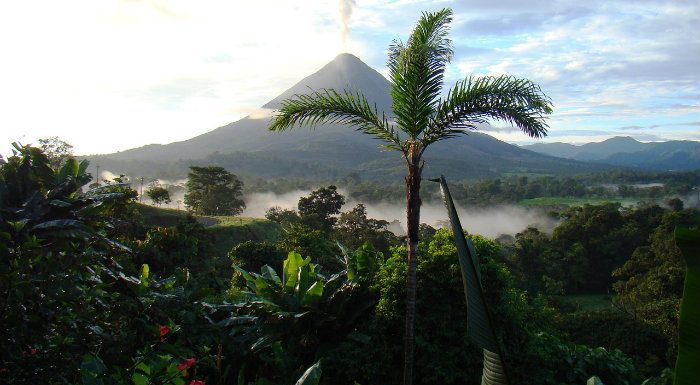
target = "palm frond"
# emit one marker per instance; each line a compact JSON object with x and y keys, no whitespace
{"x":416,"y":71}
{"x":331,"y":107}
{"x":476,"y":100}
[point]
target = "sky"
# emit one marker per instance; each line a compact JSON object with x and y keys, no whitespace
{"x":109,"y":75}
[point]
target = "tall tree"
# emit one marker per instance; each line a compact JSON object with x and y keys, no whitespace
{"x":318,"y":208}
{"x":56,"y":150}
{"x":213,"y":191}
{"x":421,"y":117}
{"x":158,"y":194}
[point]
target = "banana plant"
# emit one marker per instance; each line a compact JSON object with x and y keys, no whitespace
{"x":479,"y":319}
{"x":285,"y":322}
{"x":688,"y":360}
{"x":300,"y":284}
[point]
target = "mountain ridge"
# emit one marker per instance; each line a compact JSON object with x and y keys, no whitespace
{"x":246,"y":146}
{"x":625,"y":151}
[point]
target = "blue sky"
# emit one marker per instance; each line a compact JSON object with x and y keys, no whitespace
{"x":112,"y":75}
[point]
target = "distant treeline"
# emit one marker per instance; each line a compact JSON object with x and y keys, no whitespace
{"x":511,"y":189}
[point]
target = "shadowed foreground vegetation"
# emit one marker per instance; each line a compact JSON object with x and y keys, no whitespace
{"x":92,"y":292}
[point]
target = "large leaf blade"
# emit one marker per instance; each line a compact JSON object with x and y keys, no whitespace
{"x":687,"y":368}
{"x":479,"y":323}
{"x":312,"y":375}
{"x":290,"y":270}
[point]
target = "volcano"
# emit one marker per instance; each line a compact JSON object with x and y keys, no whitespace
{"x":246,"y":147}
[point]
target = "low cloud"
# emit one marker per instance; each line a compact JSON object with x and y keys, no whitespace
{"x":490,"y":222}
{"x":632,"y":128}
{"x":257,"y":203}
{"x":486,"y":127}
{"x":106,"y":175}
{"x":261,"y":113}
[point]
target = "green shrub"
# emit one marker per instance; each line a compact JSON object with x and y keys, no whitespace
{"x":444,"y":355}
{"x":645,"y":344}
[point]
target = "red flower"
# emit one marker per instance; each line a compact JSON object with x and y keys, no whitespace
{"x":186,"y":364}
{"x":197,"y":382}
{"x":164,"y":330}
{"x":30,"y":352}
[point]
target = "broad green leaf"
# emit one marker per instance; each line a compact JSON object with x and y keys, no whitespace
{"x":69,"y":168}
{"x":19,"y":225}
{"x":365,"y":261}
{"x":144,"y":275}
{"x":261,"y":285}
{"x":82,"y":168}
{"x":312,"y":375}
{"x":479,"y":323}
{"x":270,"y":274}
{"x":350,"y":271}
{"x":687,"y":367}
{"x":303,"y":281}
{"x":237,"y":320}
{"x":313,"y":294}
{"x":60,"y":203}
{"x":278,"y":353}
{"x":290,"y":267}
{"x":91,"y":370}
{"x":59,"y":224}
{"x":594,"y":381}
{"x":141,"y":374}
{"x":246,"y":275}
{"x":262,"y":342}
{"x":92,"y":364}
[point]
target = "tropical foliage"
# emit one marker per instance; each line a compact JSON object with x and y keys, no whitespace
{"x":91,"y":294}
{"x":420,"y":117}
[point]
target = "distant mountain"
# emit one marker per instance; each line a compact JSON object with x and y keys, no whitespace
{"x":628,"y":152}
{"x":246,"y":147}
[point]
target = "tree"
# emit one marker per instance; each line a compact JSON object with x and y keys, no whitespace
{"x":56,"y":150}
{"x":354,"y":229}
{"x":318,"y":208}
{"x":675,"y":204}
{"x":422,"y":117}
{"x":158,"y":194}
{"x":213,"y":191}
{"x":282,"y":216}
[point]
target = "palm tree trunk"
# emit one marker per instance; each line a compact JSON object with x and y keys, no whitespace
{"x":413,"y":204}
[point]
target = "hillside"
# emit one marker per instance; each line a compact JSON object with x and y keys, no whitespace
{"x":628,"y":152}
{"x":246,"y":147}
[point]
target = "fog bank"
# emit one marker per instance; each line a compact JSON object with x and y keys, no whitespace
{"x":490,"y":221}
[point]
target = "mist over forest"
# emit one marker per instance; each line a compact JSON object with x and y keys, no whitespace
{"x":390,"y":224}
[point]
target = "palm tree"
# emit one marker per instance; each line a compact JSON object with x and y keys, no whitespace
{"x":422,"y":117}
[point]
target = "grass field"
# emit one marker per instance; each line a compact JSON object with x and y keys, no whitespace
{"x":230,"y":231}
{"x":156,"y":216}
{"x":571,"y":201}
{"x":226,"y":231}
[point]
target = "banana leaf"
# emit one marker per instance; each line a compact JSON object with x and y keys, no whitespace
{"x":479,"y":320}
{"x":688,"y":360}
{"x":312,"y":375}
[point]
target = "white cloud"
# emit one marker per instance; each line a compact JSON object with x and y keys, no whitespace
{"x":116,"y":74}
{"x":83,"y":68}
